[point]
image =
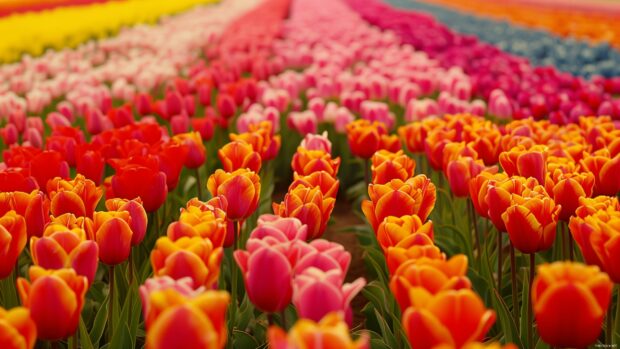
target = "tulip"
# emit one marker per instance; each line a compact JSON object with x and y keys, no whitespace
{"x":65,"y":249}
{"x":321,"y":179}
{"x":266,"y":263}
{"x":204,"y":126}
{"x":17,"y":330}
{"x":414,"y":134}
{"x":386,"y":166}
{"x":605,"y":170}
{"x":184,"y":287}
{"x":15,"y":179}
{"x":309,"y":206}
{"x":525,"y":162}
{"x":442,"y":319}
{"x":241,"y":188}
{"x":303,"y":122}
{"x":461,"y":171}
{"x":55,"y":299}
{"x":499,"y":196}
{"x":138,"y":221}
{"x":236,"y":155}
{"x":113,"y":235}
{"x":399,"y":198}
{"x":393,"y":230}
{"x":171,"y":158}
{"x":306,"y":162}
{"x":478,"y":188}
{"x":203,"y":221}
{"x":226,"y":105}
{"x":562,"y":289}
{"x":90,"y":163}
{"x":330,"y":333}
{"x":196,"y":150}
{"x":13,"y":239}
{"x":34,"y":207}
{"x":47,"y":165}
{"x":187,"y":257}
{"x":322,"y":254}
{"x":317,"y":293}
{"x":278,"y":228}
{"x":261,"y":138}
{"x":148,"y":184}
{"x":431,"y":275}
{"x":530,"y":222}
{"x":567,"y":188}
{"x":198,"y":322}
{"x":317,"y":142}
{"x":365,"y":138}
{"x":434,"y":144}
{"x":79,"y":196}
{"x":478,"y":345}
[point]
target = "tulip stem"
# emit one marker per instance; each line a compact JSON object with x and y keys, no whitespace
{"x":513,"y":278}
{"x":130,"y":266}
{"x":609,"y":330}
{"x":198,"y":185}
{"x":75,"y":339}
{"x":500,"y":261}
{"x":284,"y":319}
{"x":111,"y":302}
{"x":472,"y":215}
{"x":530,"y":320}
{"x":617,"y":316}
{"x":569,"y":237}
{"x":234,"y":277}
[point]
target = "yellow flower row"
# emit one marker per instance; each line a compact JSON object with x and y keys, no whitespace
{"x":32,"y":33}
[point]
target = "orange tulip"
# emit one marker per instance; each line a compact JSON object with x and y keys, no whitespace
{"x":525,"y":162}
{"x":366,"y":137}
{"x":309,"y":206}
{"x":413,"y":247}
{"x":499,"y":196}
{"x":13,"y":239}
{"x":487,"y":145}
{"x":478,"y":188}
{"x":138,"y":221}
{"x":176,"y":321}
{"x":461,"y":171}
{"x":194,"y":257}
{"x":79,"y":196}
{"x":34,"y":207}
{"x":261,"y":138}
{"x":395,"y":229}
{"x":432,"y":275}
{"x":64,"y":248}
{"x":563,"y":289}
{"x":200,"y":221}
{"x":434,"y":145}
{"x":399,"y":198}
{"x":605,"y":169}
{"x":386,"y":166}
{"x":456,"y":150}
{"x":305,"y":162}
{"x":567,"y":188}
{"x":17,"y":330}
{"x":236,"y":155}
{"x":413,"y":135}
{"x":196,"y":152}
{"x":330,"y":333}
{"x":530,"y":221}
{"x":55,"y":299}
{"x":113,"y":235}
{"x":453,"y":318}
{"x":241,"y":188}
{"x":321,"y":179}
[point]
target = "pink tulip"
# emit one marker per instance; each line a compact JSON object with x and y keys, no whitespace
{"x":280,"y":229}
{"x":303,"y":122}
{"x":317,"y":293}
{"x":324,"y":255}
{"x":317,"y":142}
{"x":317,"y":105}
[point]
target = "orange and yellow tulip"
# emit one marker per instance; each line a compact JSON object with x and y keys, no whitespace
{"x":398,"y":198}
{"x":113,"y":235}
{"x":55,"y":299}
{"x":309,"y":206}
{"x":200,"y":221}
{"x":524,"y":162}
{"x":605,"y":169}
{"x":176,"y":321}
{"x":413,"y":247}
{"x":563,"y":289}
{"x":17,"y":330}
{"x":393,"y":230}
{"x":499,"y":196}
{"x":235,"y":155}
{"x":478,"y":188}
{"x":461,"y":171}
{"x":329,"y":333}
{"x":305,"y":162}
{"x":453,"y":317}
{"x":13,"y":237}
{"x":567,"y":188}
{"x":33,"y":206}
{"x":366,"y":137}
{"x":79,"y":196}
{"x":138,"y":221}
{"x":194,"y":257}
{"x":386,"y":166}
{"x":241,"y":188}
{"x":327,"y":183}
{"x":196,"y":152}
{"x":261,"y":138}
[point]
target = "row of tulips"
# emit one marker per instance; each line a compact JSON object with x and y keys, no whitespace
{"x":591,"y":21}
{"x":542,"y":92}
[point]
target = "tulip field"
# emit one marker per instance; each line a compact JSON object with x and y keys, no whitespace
{"x":291,"y":174}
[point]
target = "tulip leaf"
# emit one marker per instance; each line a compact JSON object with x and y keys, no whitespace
{"x":85,"y":341}
{"x":245,"y":313}
{"x":525,"y":301}
{"x":376,"y":343}
{"x":388,"y":336}
{"x":121,"y":337}
{"x":377,"y":263}
{"x":376,"y":295}
{"x":244,"y":340}
{"x":101,"y":318}
{"x":506,"y":321}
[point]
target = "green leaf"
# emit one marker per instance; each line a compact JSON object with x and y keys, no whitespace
{"x":244,"y":340}
{"x":388,"y":336}
{"x":525,"y":301}
{"x":85,"y":341}
{"x":121,"y":337}
{"x":506,"y":321}
{"x":99,"y":323}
